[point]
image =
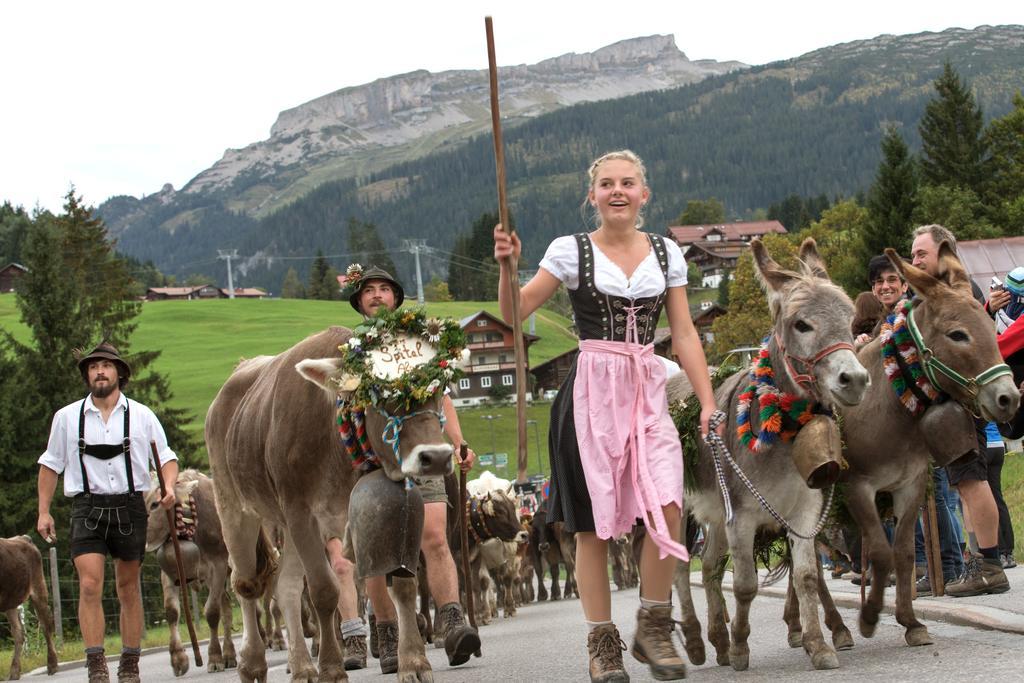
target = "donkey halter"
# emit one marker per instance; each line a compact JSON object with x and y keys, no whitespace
{"x":806,"y":379}
{"x":933,"y":367}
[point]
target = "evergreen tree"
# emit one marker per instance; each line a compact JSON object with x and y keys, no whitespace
{"x":952,"y":150}
{"x":292,"y":287}
{"x":891,"y":200}
{"x":702,"y":212}
{"x":1005,"y":188}
{"x":723,"y":291}
{"x":76,"y":292}
{"x":14,"y":225}
{"x":366,"y":246}
{"x":472,"y":272}
{"x":321,"y":284}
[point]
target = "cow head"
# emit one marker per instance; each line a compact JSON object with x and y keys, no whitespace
{"x":501,"y":514}
{"x":158,"y":530}
{"x":408,"y":442}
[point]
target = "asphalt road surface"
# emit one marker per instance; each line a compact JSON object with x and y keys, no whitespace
{"x":547,"y":642}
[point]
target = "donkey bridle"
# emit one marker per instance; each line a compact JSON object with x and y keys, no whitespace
{"x":933,"y":367}
{"x":806,"y":379}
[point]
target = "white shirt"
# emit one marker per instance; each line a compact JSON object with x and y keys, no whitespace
{"x":105,"y":476}
{"x":562,"y":260}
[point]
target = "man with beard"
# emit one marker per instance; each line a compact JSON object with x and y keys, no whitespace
{"x":102,"y":445}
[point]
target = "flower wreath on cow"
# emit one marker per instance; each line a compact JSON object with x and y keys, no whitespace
{"x":393,"y":363}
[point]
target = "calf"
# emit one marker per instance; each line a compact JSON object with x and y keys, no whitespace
{"x":206,"y":562}
{"x":21,"y":567}
{"x":552,"y":546}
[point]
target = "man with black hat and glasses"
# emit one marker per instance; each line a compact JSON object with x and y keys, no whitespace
{"x":369,"y":291}
{"x":102,"y":445}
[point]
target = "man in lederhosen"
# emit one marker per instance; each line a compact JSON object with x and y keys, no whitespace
{"x":102,"y":445}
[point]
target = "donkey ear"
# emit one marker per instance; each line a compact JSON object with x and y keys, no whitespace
{"x":771,"y":274}
{"x":810,"y":261}
{"x":921,"y":282}
{"x":952,"y":270}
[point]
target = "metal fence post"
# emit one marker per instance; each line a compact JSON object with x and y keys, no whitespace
{"x":55,"y":596}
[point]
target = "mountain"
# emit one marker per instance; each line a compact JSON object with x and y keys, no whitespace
{"x":810,"y":125}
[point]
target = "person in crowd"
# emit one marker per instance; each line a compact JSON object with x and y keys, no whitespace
{"x":969,"y":473}
{"x":101,"y":444}
{"x":368,"y":292}
{"x":615,"y":453}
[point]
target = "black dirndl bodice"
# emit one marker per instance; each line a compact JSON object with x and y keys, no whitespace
{"x":597,"y":316}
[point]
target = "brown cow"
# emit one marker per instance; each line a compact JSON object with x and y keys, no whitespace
{"x":21,"y":567}
{"x":210,"y":568}
{"x":276,"y":456}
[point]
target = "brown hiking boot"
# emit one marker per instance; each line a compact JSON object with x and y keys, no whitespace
{"x":653,"y":646}
{"x":605,"y":648}
{"x":355,"y":652}
{"x":980,"y":576}
{"x":460,"y":641}
{"x":97,"y":664}
{"x":128,"y":668}
{"x":387,"y":645}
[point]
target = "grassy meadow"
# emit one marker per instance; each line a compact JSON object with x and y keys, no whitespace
{"x":201,"y":341}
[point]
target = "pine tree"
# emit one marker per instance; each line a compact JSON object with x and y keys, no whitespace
{"x":1005,"y":188}
{"x":292,"y":287}
{"x":14,"y":225}
{"x":366,"y":246}
{"x":472,"y":272}
{"x":321,"y":286}
{"x":76,"y":292}
{"x":953,"y":152}
{"x":891,"y":200}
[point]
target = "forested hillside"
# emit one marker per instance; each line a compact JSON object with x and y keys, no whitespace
{"x":808,"y":126}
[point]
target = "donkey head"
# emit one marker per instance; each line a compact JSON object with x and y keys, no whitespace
{"x":958,"y":332}
{"x":811,"y":329}
{"x":408,"y":443}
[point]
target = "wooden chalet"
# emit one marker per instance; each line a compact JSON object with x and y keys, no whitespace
{"x":9,"y":276}
{"x":717,"y":248}
{"x":492,"y":359}
{"x":244,"y":293}
{"x":188,"y":293}
{"x":548,"y":376}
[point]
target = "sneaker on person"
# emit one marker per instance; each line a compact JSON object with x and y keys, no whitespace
{"x":981,"y":577}
{"x":1006,"y":559}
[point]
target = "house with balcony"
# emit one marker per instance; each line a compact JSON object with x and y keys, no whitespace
{"x":717,"y":248}
{"x":492,"y":360}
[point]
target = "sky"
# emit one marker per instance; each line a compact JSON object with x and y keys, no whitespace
{"x":118,"y":97}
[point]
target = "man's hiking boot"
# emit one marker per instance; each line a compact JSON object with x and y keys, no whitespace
{"x":605,"y":648}
{"x":128,"y":668}
{"x":387,"y":644}
{"x":981,"y":576}
{"x":461,"y":641}
{"x":653,"y":646}
{"x":355,"y":652}
{"x":97,"y":664}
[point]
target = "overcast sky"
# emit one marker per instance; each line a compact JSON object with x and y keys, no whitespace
{"x":122,"y":97}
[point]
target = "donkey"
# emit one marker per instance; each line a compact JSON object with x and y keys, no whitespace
{"x":276,"y":457}
{"x":811,"y":327}
{"x":958,"y":332}
{"x":21,"y":567}
{"x":211,"y":569}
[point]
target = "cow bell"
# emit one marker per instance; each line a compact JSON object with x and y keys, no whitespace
{"x":817,"y":452}
{"x":948,"y":432}
{"x":189,"y":558}
{"x":385,"y":524}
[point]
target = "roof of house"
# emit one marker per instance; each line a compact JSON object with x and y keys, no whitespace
{"x":688,"y":234}
{"x":726,"y":250}
{"x":473,"y":316}
{"x":176,"y":291}
{"x":562,"y":357}
{"x":244,"y":291}
{"x":16,"y":266}
{"x":984,"y":259}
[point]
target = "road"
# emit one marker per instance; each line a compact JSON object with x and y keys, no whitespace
{"x":547,"y":642}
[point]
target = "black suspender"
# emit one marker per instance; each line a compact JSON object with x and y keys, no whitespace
{"x":105,"y":451}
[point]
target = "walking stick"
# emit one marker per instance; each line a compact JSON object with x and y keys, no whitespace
{"x":511,"y":264}
{"x":933,"y":552}
{"x":177,"y":558}
{"x":464,"y":533}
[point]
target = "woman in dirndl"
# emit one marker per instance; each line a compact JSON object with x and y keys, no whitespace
{"x":615,"y":453}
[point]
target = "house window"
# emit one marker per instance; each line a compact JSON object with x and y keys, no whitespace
{"x":464,"y":383}
{"x":479,"y":360}
{"x":481,"y":323}
{"x":485,"y":382}
{"x":506,"y":380}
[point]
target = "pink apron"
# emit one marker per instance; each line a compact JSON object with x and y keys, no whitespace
{"x":628,"y":444}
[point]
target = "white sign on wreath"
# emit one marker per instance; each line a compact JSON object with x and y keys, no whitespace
{"x":398,"y":355}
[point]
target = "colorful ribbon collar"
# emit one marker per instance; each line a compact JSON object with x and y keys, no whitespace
{"x":902,"y":363}
{"x":772,"y":405}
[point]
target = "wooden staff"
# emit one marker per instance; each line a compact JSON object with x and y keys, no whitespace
{"x":464,"y":532}
{"x":182,"y":582}
{"x":511,"y":264}
{"x":933,"y":552}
